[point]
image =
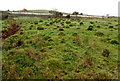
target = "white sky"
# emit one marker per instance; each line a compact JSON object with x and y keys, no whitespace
{"x":91,"y":7}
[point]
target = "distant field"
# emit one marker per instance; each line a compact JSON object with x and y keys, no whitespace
{"x":42,"y":11}
{"x":38,"y":10}
{"x":61,"y":48}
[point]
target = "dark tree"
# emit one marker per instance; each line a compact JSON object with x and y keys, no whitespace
{"x":68,"y":16}
{"x":56,"y":13}
{"x":25,"y":10}
{"x":75,"y":13}
{"x":81,"y":13}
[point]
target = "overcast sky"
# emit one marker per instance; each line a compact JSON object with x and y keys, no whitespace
{"x":91,"y":7}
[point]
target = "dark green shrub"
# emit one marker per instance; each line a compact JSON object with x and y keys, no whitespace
{"x":35,"y":22}
{"x":40,"y":20}
{"x":74,"y":34}
{"x":61,"y":29}
{"x":54,"y":28}
{"x":110,"y":26}
{"x":90,"y":28}
{"x":50,"y":48}
{"x":21,"y":33}
{"x":62,"y":23}
{"x":40,"y":28}
{"x":30,"y":42}
{"x":78,"y":28}
{"x":67,"y":27}
{"x":51,"y":23}
{"x":81,"y":23}
{"x":117,"y":25}
{"x":71,"y":25}
{"x":30,"y":28}
{"x":98,"y":26}
{"x":68,"y":22}
{"x":58,"y":26}
{"x":91,"y":22}
{"x":108,"y":39}
{"x":114,"y":42}
{"x":19,"y":43}
{"x":47,"y":25}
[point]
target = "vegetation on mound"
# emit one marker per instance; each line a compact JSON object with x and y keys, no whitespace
{"x":61,"y":48}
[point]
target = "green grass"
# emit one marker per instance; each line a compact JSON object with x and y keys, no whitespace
{"x":52,"y":48}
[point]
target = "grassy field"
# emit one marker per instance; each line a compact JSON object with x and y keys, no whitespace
{"x":59,"y":48}
{"x":37,"y":11}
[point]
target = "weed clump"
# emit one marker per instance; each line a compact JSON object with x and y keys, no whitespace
{"x":62,"y":41}
{"x":99,"y":34}
{"x":43,"y":50}
{"x":51,"y":23}
{"x":77,"y":28}
{"x":35,"y":22}
{"x":30,"y":28}
{"x":68,"y":22}
{"x":114,"y":42}
{"x":105,"y":52}
{"x":67,"y":27}
{"x":74,"y":34}
{"x":40,"y":28}
{"x":50,"y":39}
{"x":90,"y":28}
{"x":61,"y":29}
{"x":47,"y":37}
{"x":110,"y":26}
{"x":58,"y":26}
{"x":54,"y":28}
{"x":50,"y":48}
{"x":19,"y":43}
{"x":47,"y":25}
{"x":62,"y":34}
{"x":98,"y":26}
{"x":40,"y":20}
{"x":71,"y":25}
{"x":81,"y":23}
{"x":91,"y":22}
{"x":62,"y":23}
{"x":21,"y":33}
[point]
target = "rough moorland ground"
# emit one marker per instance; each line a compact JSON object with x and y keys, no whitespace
{"x":60,"y":48}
